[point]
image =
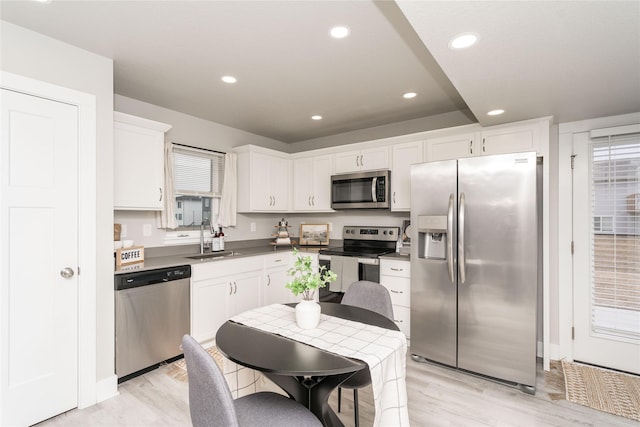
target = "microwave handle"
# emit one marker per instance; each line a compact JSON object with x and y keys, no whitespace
{"x":373,"y":189}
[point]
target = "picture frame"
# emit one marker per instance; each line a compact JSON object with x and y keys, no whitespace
{"x":314,"y":234}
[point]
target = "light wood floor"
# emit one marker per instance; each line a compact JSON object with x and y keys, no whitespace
{"x":437,"y":397}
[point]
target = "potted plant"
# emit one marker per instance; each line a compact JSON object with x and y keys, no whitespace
{"x":305,"y":280}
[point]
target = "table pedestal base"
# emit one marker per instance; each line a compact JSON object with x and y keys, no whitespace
{"x":313,"y":392}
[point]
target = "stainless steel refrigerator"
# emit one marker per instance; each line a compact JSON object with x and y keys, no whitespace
{"x":474,"y":265}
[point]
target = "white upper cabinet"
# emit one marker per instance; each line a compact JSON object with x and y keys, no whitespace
{"x":403,"y":156}
{"x":263,"y":180}
{"x":138,"y":163}
{"x":362,"y":160}
{"x":312,"y":183}
{"x":450,"y":147}
{"x":511,"y":138}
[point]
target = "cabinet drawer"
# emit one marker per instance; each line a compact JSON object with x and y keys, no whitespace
{"x":395,"y":268}
{"x":399,"y":289}
{"x":277,"y":260}
{"x":402,"y":318}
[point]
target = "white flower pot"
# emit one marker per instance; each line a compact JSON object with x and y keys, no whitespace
{"x":307,"y":314}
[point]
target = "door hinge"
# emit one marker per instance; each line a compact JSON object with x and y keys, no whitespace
{"x":573,"y":161}
{"x":572,"y":247}
{"x":573,"y":333}
{"x":78,"y":271}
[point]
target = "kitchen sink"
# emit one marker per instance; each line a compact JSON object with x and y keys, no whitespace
{"x":213,"y":255}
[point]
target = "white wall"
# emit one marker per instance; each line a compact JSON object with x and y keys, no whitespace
{"x":33,"y":55}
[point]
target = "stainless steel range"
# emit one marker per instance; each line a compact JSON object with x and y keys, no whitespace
{"x":357,"y":258}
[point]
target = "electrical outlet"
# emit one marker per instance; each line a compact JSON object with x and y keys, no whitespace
{"x":123,"y":231}
{"x":146,"y":230}
{"x":252,"y":225}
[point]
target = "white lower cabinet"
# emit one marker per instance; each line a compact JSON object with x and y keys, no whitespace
{"x":275,"y":279}
{"x":220,"y":290}
{"x":395,"y":275}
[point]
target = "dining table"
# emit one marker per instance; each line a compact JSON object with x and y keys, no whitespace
{"x":305,"y":372}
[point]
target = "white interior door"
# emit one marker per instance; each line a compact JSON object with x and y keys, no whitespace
{"x":39,"y":223}
{"x":606,"y":278}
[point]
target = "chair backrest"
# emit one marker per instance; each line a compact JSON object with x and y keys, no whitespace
{"x":210,"y":400}
{"x":370,"y":295}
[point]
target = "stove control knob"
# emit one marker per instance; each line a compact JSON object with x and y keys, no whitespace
{"x":384,"y":232}
{"x":390,"y":232}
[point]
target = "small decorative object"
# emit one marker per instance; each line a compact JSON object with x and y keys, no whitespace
{"x":131,"y":255}
{"x":306,"y":279}
{"x":314,"y":234}
{"x":282,"y":233}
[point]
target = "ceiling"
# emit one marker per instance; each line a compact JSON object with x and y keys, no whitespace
{"x":572,"y":60}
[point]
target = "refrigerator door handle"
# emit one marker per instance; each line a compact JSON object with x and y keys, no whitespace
{"x":462,"y":264}
{"x":450,"y":239}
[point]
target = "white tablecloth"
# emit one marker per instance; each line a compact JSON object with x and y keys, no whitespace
{"x":382,"y":349}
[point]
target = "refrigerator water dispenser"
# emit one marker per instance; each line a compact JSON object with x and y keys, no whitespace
{"x":432,"y":237}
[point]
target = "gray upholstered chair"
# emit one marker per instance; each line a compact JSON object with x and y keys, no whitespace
{"x":375,"y":297}
{"x":211,"y":403}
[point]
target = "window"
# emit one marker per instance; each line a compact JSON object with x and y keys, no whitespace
{"x":615,"y":250}
{"x":198,"y":176}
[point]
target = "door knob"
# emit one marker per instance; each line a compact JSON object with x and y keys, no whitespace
{"x":67,"y":272}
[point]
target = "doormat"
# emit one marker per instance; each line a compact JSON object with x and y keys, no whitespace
{"x":241,"y":380}
{"x":602,"y":389}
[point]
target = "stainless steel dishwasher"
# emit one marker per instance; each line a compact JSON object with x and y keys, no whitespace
{"x":152,"y":314}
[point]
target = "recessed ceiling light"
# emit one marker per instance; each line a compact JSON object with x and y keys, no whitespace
{"x":409,"y":95}
{"x":316,"y":117}
{"x":339,"y":32}
{"x":462,"y":41}
{"x":229,"y":79}
{"x":495,"y":112}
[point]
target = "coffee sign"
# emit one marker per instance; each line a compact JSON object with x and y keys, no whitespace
{"x":130,"y":255}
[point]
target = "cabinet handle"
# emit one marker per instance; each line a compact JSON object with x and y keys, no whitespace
{"x":160,"y":199}
{"x":397,"y":269}
{"x":268,"y":280}
{"x":309,"y":201}
{"x":394,"y":197}
{"x":235,"y":287}
{"x":274,"y":200}
{"x":313,"y":200}
{"x":397,"y":292}
{"x":471,"y":147}
{"x":399,"y":321}
{"x":483,"y":150}
{"x":361,"y":159}
{"x":230,"y":288}
{"x":357,"y":160}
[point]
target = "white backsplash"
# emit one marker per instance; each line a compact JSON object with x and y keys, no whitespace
{"x":135,"y":223}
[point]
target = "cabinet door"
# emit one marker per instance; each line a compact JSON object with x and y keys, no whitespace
{"x":279,"y":183}
{"x":269,"y":183}
{"x":275,"y":277}
{"x":348,"y":161}
{"x":303,"y":184}
{"x":246,"y":292}
{"x":510,"y":140}
{"x":138,"y":167}
{"x":261,"y":197}
{"x":452,"y":147}
{"x":209,"y":307}
{"x":374,"y":159}
{"x":404,"y":156}
{"x":312,"y":184}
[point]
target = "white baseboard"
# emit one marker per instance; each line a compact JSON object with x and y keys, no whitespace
{"x":106,"y":388}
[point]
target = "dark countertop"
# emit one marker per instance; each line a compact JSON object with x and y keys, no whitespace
{"x":153,"y":262}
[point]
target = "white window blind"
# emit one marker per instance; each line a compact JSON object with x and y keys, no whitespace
{"x":615,"y":236}
{"x":198,"y":172}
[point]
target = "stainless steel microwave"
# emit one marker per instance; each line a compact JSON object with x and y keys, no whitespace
{"x":361,"y":190}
